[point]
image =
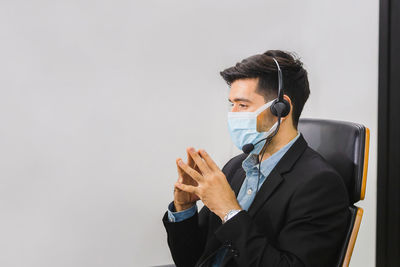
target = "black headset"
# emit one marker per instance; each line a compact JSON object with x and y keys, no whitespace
{"x":280,"y":107}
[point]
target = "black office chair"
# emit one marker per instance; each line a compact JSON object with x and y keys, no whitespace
{"x":345,"y":145}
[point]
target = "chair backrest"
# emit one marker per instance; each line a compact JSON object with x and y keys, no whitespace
{"x":345,"y":145}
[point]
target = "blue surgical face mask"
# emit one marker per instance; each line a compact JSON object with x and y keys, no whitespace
{"x":243,"y":128}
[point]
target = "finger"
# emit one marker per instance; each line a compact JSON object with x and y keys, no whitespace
{"x":176,"y":189}
{"x":186,"y":188}
{"x":183,"y":177}
{"x":198,"y":160}
{"x":180,"y":172}
{"x":191,"y":172}
{"x":210,"y":162}
{"x":191,"y":162}
{"x":190,"y":159}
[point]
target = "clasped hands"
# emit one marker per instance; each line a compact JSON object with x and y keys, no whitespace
{"x":201,"y":178}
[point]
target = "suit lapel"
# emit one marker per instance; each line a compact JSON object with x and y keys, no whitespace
{"x":275,"y":177}
{"x":270,"y":185}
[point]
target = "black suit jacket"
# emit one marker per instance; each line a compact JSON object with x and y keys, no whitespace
{"x":298,"y":218}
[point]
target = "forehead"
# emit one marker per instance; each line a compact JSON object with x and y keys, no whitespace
{"x":244,"y":88}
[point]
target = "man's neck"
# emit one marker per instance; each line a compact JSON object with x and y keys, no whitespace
{"x":278,"y":141}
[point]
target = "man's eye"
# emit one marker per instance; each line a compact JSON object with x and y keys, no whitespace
{"x":242,"y":105}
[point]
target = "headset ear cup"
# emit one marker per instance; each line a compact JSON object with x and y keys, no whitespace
{"x":273,"y":108}
{"x":280,"y":108}
{"x":286,"y":108}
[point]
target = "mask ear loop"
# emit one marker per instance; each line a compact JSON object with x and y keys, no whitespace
{"x":264,"y":107}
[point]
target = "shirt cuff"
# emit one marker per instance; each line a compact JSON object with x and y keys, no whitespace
{"x":230,"y":215}
{"x":177,"y":216}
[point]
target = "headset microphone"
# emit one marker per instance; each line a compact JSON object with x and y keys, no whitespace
{"x":247,"y":148}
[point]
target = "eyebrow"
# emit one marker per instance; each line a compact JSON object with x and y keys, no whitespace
{"x":239,"y":100}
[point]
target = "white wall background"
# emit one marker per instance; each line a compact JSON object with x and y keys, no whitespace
{"x":98,"y":98}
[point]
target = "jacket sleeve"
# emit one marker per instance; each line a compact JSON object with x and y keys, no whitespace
{"x":187,"y":238}
{"x":315,"y":226}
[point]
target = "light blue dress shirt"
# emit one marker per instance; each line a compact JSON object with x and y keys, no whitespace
{"x":247,"y":191}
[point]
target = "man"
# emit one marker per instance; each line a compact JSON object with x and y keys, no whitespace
{"x":279,"y":205}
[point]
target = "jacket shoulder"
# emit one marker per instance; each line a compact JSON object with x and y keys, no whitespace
{"x":313,"y":162}
{"x":315,"y":169}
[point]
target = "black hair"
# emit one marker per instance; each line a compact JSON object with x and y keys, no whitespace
{"x":262,"y":66}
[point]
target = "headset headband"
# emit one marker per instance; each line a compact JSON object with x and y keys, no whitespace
{"x":280,"y":80}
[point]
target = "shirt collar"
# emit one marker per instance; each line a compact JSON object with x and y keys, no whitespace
{"x":251,"y":162}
